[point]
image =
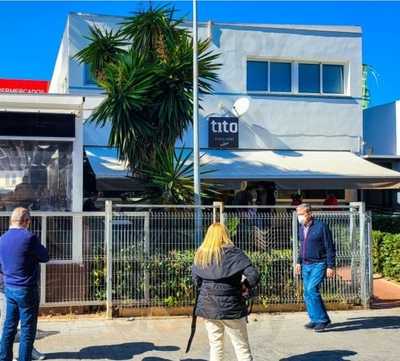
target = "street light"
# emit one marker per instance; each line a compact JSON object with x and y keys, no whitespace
{"x":196,"y":148}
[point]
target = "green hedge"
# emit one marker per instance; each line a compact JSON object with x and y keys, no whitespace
{"x":386,"y":254}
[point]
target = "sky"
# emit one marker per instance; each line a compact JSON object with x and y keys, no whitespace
{"x":30,"y":32}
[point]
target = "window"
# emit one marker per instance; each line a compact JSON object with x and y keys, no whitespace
{"x":333,"y":79}
{"x":257,"y":76}
{"x":309,"y":78}
{"x":88,"y":78}
{"x":313,"y":78}
{"x":280,"y":77}
{"x":35,"y":175}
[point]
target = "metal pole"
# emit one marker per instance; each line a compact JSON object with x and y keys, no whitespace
{"x":196,"y":147}
{"x":363,"y":260}
{"x":43,"y":236}
{"x":108,"y":240}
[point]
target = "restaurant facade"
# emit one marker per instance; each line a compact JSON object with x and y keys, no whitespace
{"x":301,"y":129}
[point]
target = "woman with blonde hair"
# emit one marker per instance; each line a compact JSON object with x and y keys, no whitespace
{"x":218,"y":272}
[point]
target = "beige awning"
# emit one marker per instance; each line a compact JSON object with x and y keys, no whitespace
{"x":291,"y":169}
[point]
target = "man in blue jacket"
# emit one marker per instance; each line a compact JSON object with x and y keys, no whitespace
{"x":316,"y":260}
{"x":20,"y":254}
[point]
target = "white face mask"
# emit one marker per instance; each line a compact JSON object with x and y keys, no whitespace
{"x":301,"y":218}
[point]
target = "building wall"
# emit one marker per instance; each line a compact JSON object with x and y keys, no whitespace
{"x":380,"y":130}
{"x":59,"y":80}
{"x":289,"y":121}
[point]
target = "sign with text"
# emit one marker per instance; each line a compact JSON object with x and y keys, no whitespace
{"x":223,"y":132}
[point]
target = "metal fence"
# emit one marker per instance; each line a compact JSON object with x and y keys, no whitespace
{"x":141,"y":256}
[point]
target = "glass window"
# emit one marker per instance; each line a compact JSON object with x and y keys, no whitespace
{"x":280,"y":77}
{"x":36,"y":175}
{"x":309,"y":78}
{"x":333,"y":79}
{"x":89,"y":78}
{"x":257,"y":76}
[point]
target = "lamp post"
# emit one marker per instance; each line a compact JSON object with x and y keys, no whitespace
{"x":196,"y":149}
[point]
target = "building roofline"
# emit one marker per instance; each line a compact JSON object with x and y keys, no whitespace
{"x":354,"y":29}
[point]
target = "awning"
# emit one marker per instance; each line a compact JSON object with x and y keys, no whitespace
{"x":111,"y":174}
{"x":299,"y":169}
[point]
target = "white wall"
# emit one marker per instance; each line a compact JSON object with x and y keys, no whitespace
{"x":380,"y":130}
{"x":59,"y":80}
{"x":273,"y":122}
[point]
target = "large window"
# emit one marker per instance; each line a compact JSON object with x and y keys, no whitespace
{"x":333,"y":79}
{"x":36,"y":175}
{"x":309,"y":78}
{"x":257,"y":76}
{"x":281,"y":77}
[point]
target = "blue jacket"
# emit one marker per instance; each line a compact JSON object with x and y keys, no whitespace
{"x":20,"y":254}
{"x":318,"y":245}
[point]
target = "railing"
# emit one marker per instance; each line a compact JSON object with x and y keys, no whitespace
{"x":141,"y":256}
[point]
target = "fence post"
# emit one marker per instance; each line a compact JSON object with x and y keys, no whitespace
{"x":363,"y":254}
{"x":295,"y":237}
{"x":369,"y":256}
{"x":108,"y":241}
{"x":353,"y":241}
{"x":146,"y":275}
{"x":220,"y":207}
{"x":43,"y":241}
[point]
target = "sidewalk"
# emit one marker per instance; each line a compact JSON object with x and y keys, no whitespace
{"x":371,"y":335}
{"x":386,"y":293}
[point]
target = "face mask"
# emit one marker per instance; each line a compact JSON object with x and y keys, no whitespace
{"x":301,"y":219}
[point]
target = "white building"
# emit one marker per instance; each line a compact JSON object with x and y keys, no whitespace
{"x":303,"y":129}
{"x":382,"y":146}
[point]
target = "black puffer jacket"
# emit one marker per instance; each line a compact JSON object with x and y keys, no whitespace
{"x":220,"y":295}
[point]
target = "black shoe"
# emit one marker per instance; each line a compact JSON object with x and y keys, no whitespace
{"x":310,"y":325}
{"x":320,"y":327}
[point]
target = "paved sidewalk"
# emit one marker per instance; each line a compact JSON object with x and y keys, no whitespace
{"x":357,"y":335}
{"x":386,"y":293}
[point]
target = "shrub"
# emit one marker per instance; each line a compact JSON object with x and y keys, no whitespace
{"x":386,"y":254}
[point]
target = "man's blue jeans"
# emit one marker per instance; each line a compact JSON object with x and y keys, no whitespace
{"x":313,"y":275}
{"x":22,"y":305}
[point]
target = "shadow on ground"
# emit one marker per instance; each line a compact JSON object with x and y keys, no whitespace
{"x":119,"y":352}
{"x":366,"y":323}
{"x":334,"y":355}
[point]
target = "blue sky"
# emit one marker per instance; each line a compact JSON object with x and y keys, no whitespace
{"x":30,"y":32}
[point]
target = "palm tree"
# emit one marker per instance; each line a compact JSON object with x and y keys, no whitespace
{"x":367,"y":71}
{"x":145,"y":70}
{"x":170,"y":179}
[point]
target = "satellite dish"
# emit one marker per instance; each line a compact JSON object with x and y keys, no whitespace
{"x":241,"y":106}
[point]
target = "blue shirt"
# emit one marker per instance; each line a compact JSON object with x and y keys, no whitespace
{"x":20,"y":254}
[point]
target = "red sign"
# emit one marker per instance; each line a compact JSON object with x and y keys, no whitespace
{"x":23,"y":86}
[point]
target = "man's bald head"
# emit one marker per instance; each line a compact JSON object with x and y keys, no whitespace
{"x":20,"y":217}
